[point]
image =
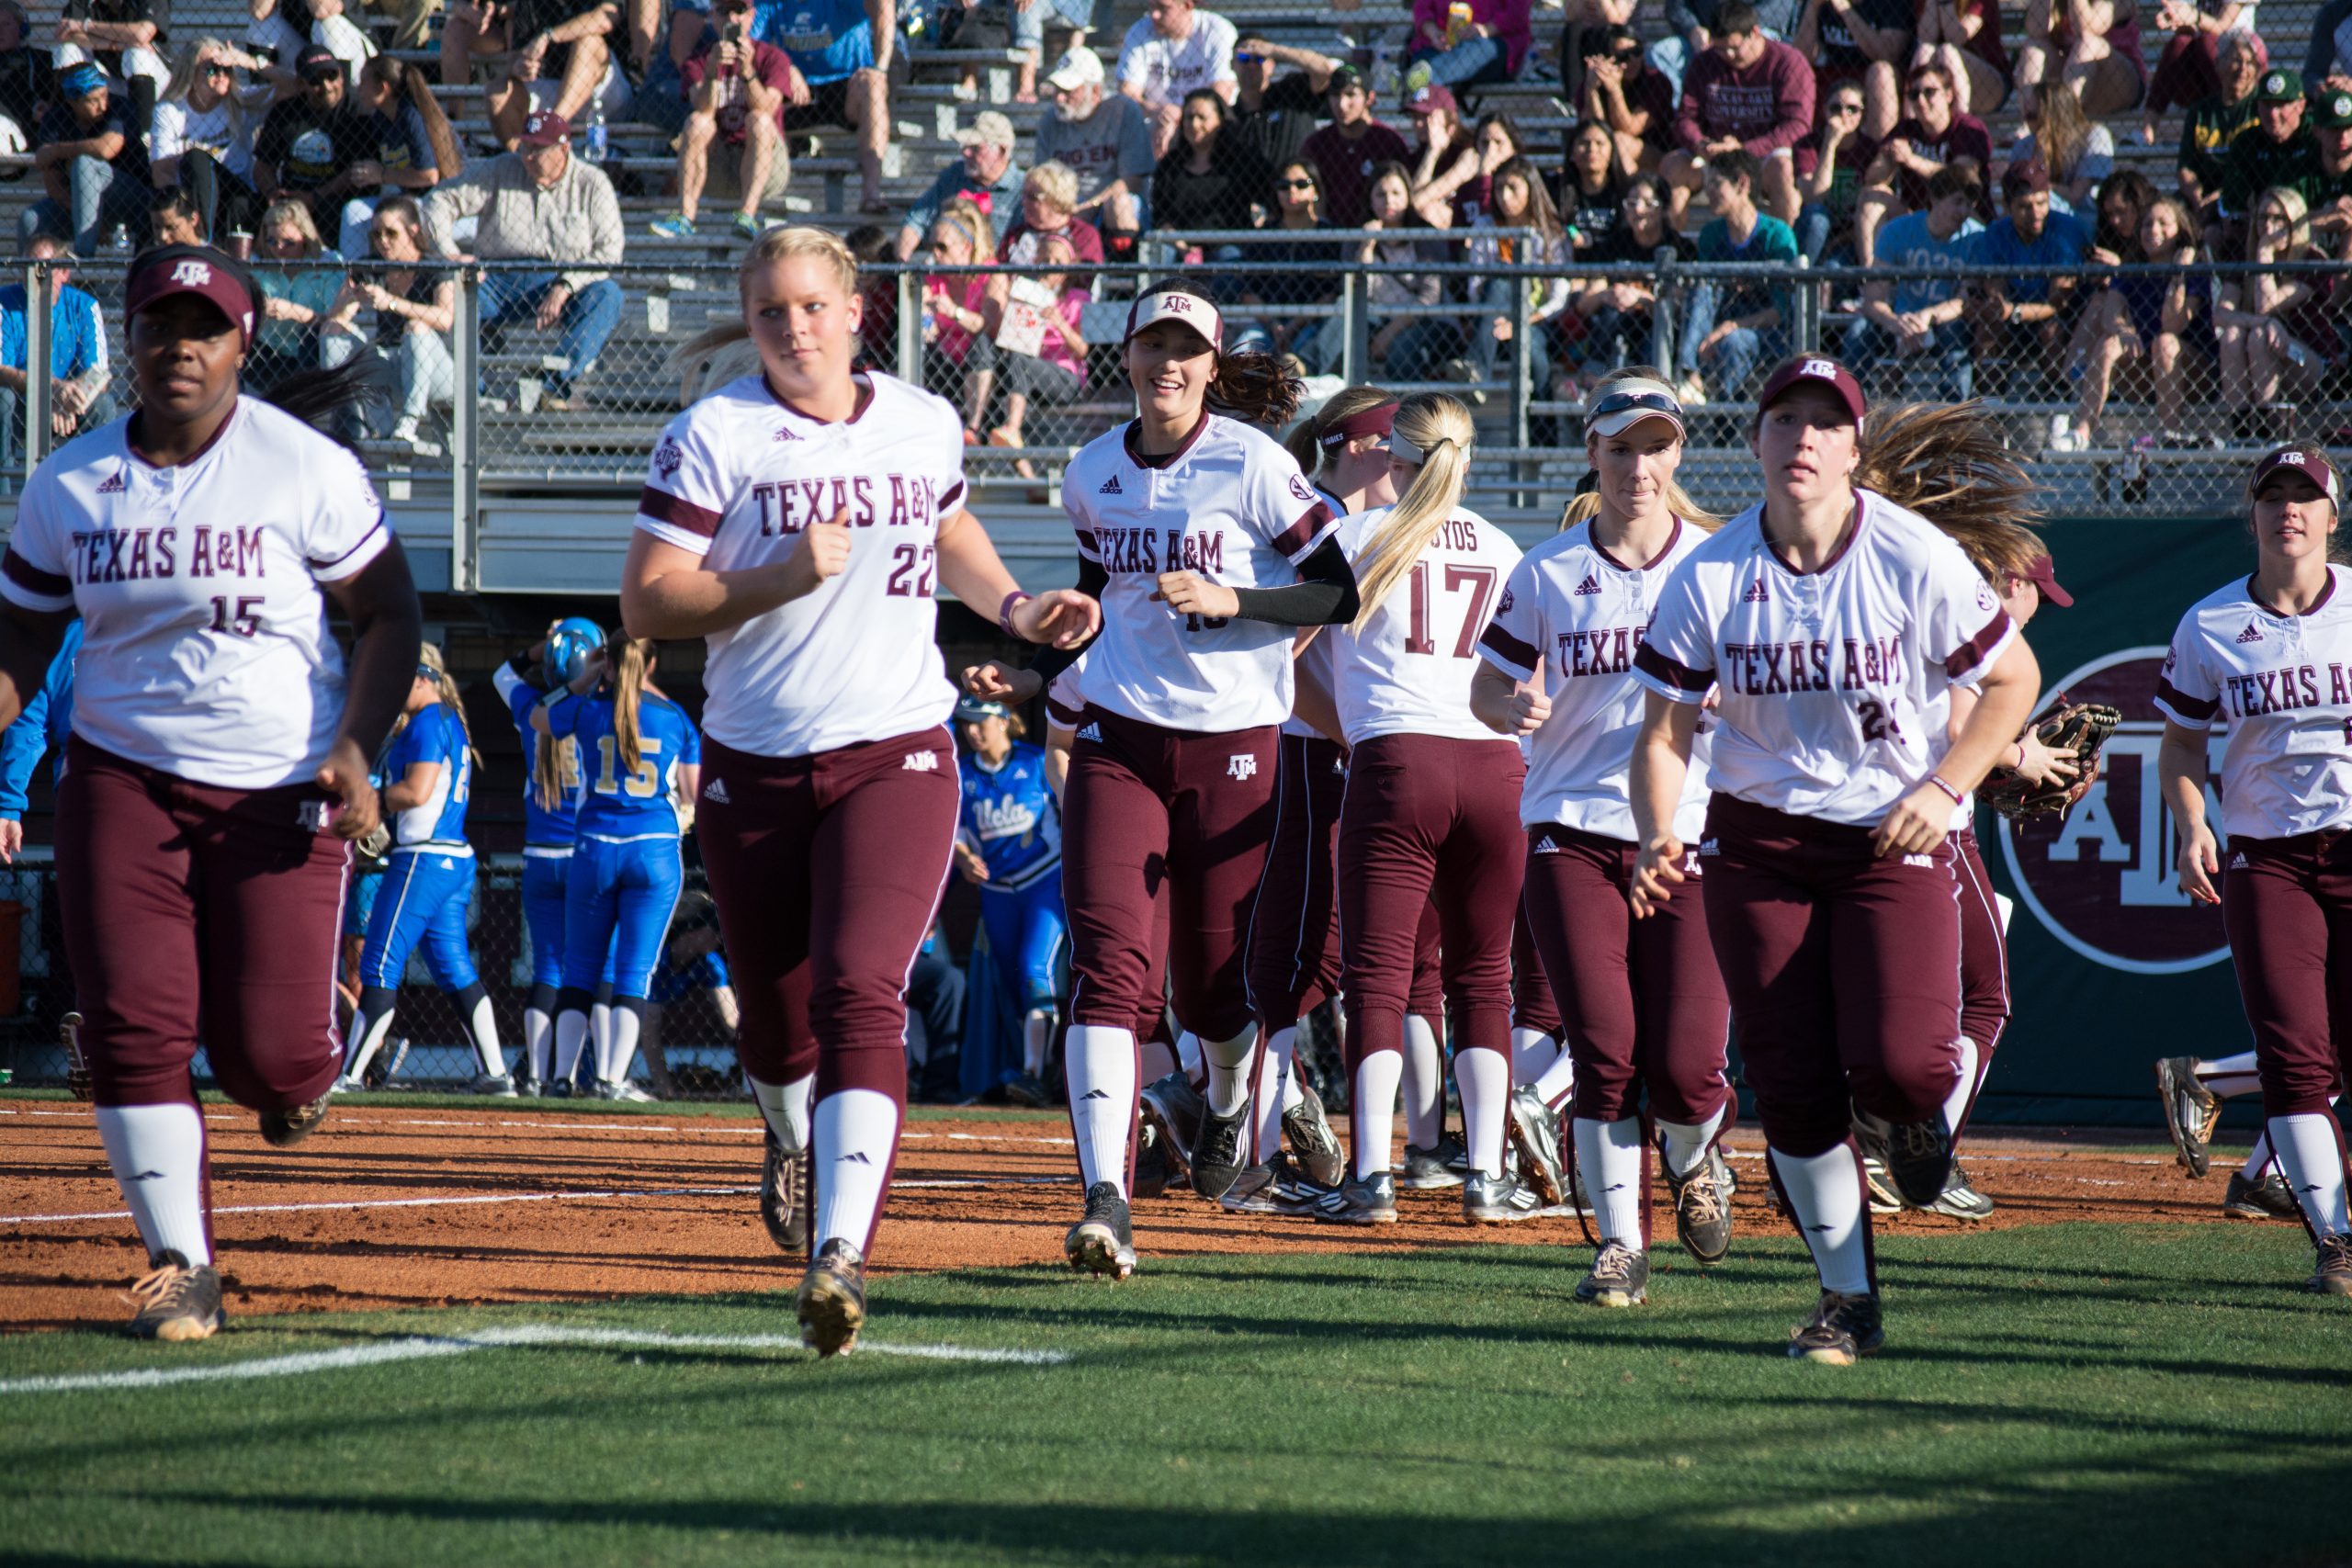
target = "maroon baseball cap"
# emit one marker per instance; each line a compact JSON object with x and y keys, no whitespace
{"x":1818,"y":370}
{"x":2308,"y":461}
{"x":317,"y":63}
{"x":545,"y":128}
{"x":2043,"y":574}
{"x":2033,"y":174}
{"x":192,"y":269}
{"x":1431,"y":97}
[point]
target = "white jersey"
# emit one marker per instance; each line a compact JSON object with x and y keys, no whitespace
{"x":1408,"y":671}
{"x":1835,"y":684}
{"x":737,"y":478}
{"x":1230,"y":505}
{"x":1164,"y":69}
{"x":1571,"y":617}
{"x":2283,"y":685}
{"x":205,"y":649}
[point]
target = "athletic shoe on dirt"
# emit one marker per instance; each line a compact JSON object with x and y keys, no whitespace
{"x":1843,"y":1330}
{"x":1312,"y":1144}
{"x":1961,"y":1200}
{"x":624,"y":1090}
{"x":2334,"y":1275}
{"x":1151,"y":1159}
{"x":1026,"y":1092}
{"x":1918,"y":1158}
{"x":1103,"y":1242}
{"x":832,"y":1299}
{"x":1425,"y":1170}
{"x":1878,"y":1192}
{"x":2267,"y":1199}
{"x":1619,"y":1277}
{"x":176,"y":1302}
{"x":1703,"y":1208}
{"x":1176,"y":1107}
{"x":1535,"y":1133}
{"x":1365,"y":1200}
{"x":1252,"y":1191}
{"x":2191,"y":1111}
{"x":784,"y":1197}
{"x":284,"y":1129}
{"x":1498,"y":1199}
{"x":1216,"y":1159}
{"x":497,"y":1086}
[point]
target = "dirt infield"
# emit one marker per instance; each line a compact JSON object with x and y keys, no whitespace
{"x":388,"y":1207}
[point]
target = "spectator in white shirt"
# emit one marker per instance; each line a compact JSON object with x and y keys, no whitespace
{"x":1173,"y":49}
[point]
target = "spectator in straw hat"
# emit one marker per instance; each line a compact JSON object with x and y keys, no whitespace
{"x":985,"y":174}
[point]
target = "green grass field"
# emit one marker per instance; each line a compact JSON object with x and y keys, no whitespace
{"x":2078,"y":1394}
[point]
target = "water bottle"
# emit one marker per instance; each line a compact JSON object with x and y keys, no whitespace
{"x":1384,"y":76}
{"x":118,"y":243}
{"x":598,"y":140}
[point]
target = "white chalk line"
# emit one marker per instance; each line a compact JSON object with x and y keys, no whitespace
{"x":529,"y":1334}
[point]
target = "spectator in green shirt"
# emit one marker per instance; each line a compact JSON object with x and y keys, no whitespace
{"x":1734,"y":327}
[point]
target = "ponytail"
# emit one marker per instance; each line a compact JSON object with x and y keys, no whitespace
{"x":429,"y":655}
{"x":630,"y":657}
{"x":1305,"y":442}
{"x":1255,"y":389}
{"x":1440,"y":427}
{"x":1949,"y":463}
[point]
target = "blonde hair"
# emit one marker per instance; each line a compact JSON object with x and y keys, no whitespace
{"x":1056,"y":182}
{"x":1582,"y":508}
{"x":966,"y":214}
{"x":2298,"y":216}
{"x":1305,"y":442}
{"x":429,"y":655}
{"x":631,"y":656}
{"x":2062,"y":133}
{"x":1440,"y":427}
{"x":297,"y":213}
{"x":1949,"y":463}
{"x":777,"y":244}
{"x":547,"y":761}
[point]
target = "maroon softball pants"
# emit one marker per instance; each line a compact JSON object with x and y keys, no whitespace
{"x":1984,"y":958}
{"x":1843,"y":970}
{"x":193,"y":913}
{"x":2287,"y":904}
{"x":1429,"y":818}
{"x":1532,"y":1005}
{"x":1152,"y":810}
{"x":1642,"y":1001}
{"x":827,"y":870}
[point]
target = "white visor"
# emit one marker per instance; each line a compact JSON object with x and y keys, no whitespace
{"x":1176,"y":305}
{"x":1628,"y":402}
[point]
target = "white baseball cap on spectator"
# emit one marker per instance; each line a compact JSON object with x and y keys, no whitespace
{"x":1082,"y":67}
{"x":989,"y":128}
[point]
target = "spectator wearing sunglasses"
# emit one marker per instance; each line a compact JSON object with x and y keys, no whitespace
{"x":414,"y":310}
{"x":1313,"y":274}
{"x":1623,"y":93}
{"x":1934,"y":134}
{"x":1832,"y":163}
{"x":1274,"y":114}
{"x":203,"y":140}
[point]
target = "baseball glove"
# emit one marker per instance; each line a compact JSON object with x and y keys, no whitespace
{"x":376,"y":839}
{"x":2083,"y":726}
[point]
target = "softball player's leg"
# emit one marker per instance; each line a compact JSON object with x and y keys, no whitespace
{"x":1293,"y":963}
{"x":1894,"y":950}
{"x":1431,"y":1158}
{"x":590,"y":913}
{"x":1984,"y":1014}
{"x":652,"y":875}
{"x":543,"y":896}
{"x":1044,"y":940}
{"x":404,"y":907}
{"x":450,"y":957}
{"x":1680,"y":1048}
{"x":1537,"y":1038}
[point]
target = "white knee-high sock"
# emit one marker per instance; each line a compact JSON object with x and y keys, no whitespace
{"x":485,"y":1032}
{"x":1188,"y":1058}
{"x":1099,"y":1066}
{"x":1229,"y":1087}
{"x":2255,"y":1162}
{"x":626,"y":1024}
{"x":1294,"y":1083}
{"x":1373,"y":1114}
{"x":363,"y":1040}
{"x":157,"y":1153}
{"x":1532,"y":1051}
{"x":2230,"y":1075}
{"x":1826,"y":1193}
{"x":1423,"y":1082}
{"x":857,"y":1135}
{"x":1609,"y":1158}
{"x":600,"y":1033}
{"x":536,"y":1028}
{"x":1963,"y":1093}
{"x":1484,"y":1079}
{"x":571,"y":1038}
{"x":1686,"y":1142}
{"x":1558,"y":1081}
{"x":2311,"y":1154}
{"x":1037,"y":1033}
{"x":785,"y":1108}
{"x":1267,"y":1092}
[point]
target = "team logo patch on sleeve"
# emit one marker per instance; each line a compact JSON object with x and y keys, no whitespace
{"x":1299,"y":489}
{"x":1504,"y":608}
{"x":669,"y":457}
{"x":1984,"y":599}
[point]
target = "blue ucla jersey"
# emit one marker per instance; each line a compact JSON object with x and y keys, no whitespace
{"x":433,"y":734}
{"x":544,"y":827}
{"x":620,"y":803}
{"x":1011,"y":816}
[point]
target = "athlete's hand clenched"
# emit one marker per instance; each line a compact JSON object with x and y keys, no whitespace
{"x":1658,"y":871}
{"x":1529,"y":708}
{"x":824,"y":553}
{"x":1059,"y":617}
{"x":1189,"y":593}
{"x":1002,"y":682}
{"x":344,"y":775}
{"x":1917,"y":824}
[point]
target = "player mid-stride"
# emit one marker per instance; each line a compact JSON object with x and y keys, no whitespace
{"x":1832,"y":626}
{"x":801,"y":520}
{"x":2271,"y":655}
{"x":219,"y":765}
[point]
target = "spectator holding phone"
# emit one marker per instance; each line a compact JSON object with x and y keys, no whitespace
{"x":737,"y":86}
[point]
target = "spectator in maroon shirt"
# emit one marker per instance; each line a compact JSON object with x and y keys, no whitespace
{"x":1623,"y":93}
{"x":1745,"y":92}
{"x":1934,"y":134}
{"x":1831,"y":163}
{"x":1345,"y":151}
{"x":737,"y":86}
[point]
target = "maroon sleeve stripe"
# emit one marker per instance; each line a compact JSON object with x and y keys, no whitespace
{"x":1511,"y":648}
{"x":1649,"y":661}
{"x":1063,"y":713}
{"x":329,"y":565}
{"x":663,"y":507}
{"x":2180,"y":702}
{"x":1970,"y":654}
{"x":1086,"y":542}
{"x":952,"y":500}
{"x":1302,"y":533}
{"x":32,"y":580}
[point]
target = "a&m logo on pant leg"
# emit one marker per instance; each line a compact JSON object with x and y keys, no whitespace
{"x":1243,"y":766}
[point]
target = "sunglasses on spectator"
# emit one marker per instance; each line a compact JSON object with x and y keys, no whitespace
{"x":214,"y":68}
{"x":283,"y":242}
{"x":1247,"y":57}
{"x":1294,"y":184}
{"x":1925,"y":93}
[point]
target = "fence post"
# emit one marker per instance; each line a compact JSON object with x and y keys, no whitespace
{"x":909,"y":344}
{"x":1523,"y":365}
{"x":465,"y":438}
{"x":1662,"y":315}
{"x":36,"y":385}
{"x":1806,"y":338}
{"x":1355,"y":361}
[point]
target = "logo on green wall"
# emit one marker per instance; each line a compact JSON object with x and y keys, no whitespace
{"x":2100,"y":879}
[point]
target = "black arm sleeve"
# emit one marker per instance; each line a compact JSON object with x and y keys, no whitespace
{"x":1051,"y":661}
{"x":1324,"y":595}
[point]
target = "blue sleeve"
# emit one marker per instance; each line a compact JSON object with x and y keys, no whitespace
{"x":711,"y":970}
{"x":563,"y":715}
{"x":21,"y":747}
{"x":690,"y":748}
{"x":12,"y":338}
{"x":408,"y":747}
{"x":83,"y":342}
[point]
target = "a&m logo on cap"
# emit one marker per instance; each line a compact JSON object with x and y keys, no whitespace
{"x":1825,"y":368}
{"x":192,"y":275}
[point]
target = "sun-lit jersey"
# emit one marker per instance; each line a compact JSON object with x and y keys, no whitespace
{"x":1834,"y":685}
{"x":1408,"y":670}
{"x":1313,"y":662}
{"x":737,"y":478}
{"x":545,"y":827}
{"x":621,"y":804}
{"x":2283,"y":685}
{"x":1571,"y":618}
{"x":1230,"y":505}
{"x":433,"y":734}
{"x":204,"y":653}
{"x":1011,"y":819}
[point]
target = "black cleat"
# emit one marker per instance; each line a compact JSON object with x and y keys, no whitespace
{"x":1961,"y":1200}
{"x":1619,"y":1277}
{"x":1151,"y":1159}
{"x":2332,"y":1277}
{"x":1103,"y":1242}
{"x":176,"y":1302}
{"x":2191,"y":1111}
{"x":1843,"y":1330}
{"x":1918,"y":1160}
{"x":784,"y":1197}
{"x":833,"y":1300}
{"x":1313,"y":1146}
{"x":1216,"y":1159}
{"x":2266,"y":1198}
{"x":284,"y":1129}
{"x":1176,"y":1108}
{"x":1429,"y":1169}
{"x":1534,"y":1131}
{"x":1702,"y":1207}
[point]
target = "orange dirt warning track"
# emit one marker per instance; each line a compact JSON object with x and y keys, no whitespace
{"x":390,"y":1207}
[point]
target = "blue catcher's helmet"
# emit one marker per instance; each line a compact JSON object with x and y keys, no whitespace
{"x":569,"y":646}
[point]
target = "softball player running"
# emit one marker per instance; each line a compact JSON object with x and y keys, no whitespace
{"x":1185,"y":518}
{"x":801,"y":520}
{"x":1642,"y":1001}
{"x":2272,"y":655}
{"x":551,"y":812}
{"x":1832,"y":626}
{"x":428,"y":884}
{"x":642,"y":754}
{"x":1009,"y":842}
{"x":218,"y":769}
{"x":2192,"y":1090}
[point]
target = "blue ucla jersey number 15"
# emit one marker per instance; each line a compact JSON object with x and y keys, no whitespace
{"x":622,"y":801}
